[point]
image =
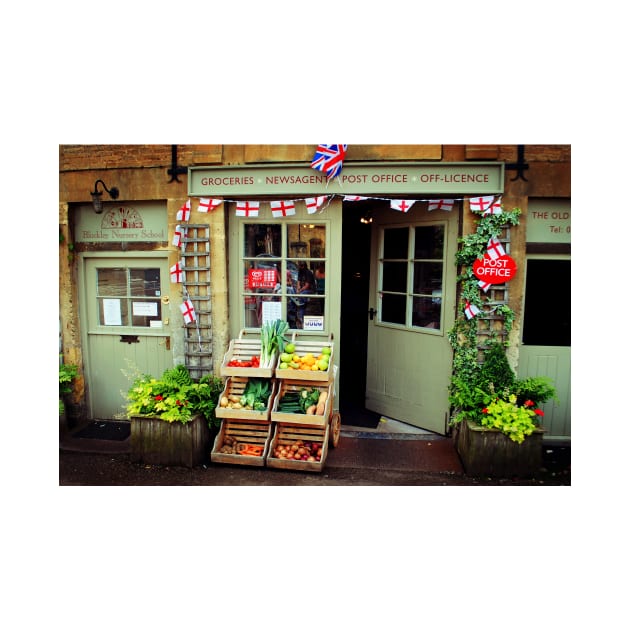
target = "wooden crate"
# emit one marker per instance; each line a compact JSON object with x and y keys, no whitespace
{"x":245,"y":431}
{"x":286,"y":385}
{"x":243,"y":349}
{"x":288,"y":434}
{"x":235,"y":386}
{"x":302,"y":347}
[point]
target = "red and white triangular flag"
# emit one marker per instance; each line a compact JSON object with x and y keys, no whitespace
{"x":188,"y":311}
{"x":313,"y":204}
{"x":183,"y":214}
{"x":208,"y":205}
{"x":282,"y":208}
{"x":177,"y":272}
{"x":484,"y":285}
{"x":471,"y":310}
{"x":402,"y":205}
{"x":441,"y":204}
{"x":247,"y":208}
{"x":495,"y":249}
{"x":353,"y":198}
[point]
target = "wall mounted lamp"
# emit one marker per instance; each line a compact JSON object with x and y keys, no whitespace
{"x":97,"y":200}
{"x":367,"y":218}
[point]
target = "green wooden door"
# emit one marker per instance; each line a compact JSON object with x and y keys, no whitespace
{"x":546,"y":336}
{"x":126,"y":326}
{"x":412,"y":300}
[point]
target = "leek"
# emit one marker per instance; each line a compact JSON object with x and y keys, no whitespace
{"x":272,"y":341}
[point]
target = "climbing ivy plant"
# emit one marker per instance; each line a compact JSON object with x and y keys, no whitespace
{"x":464,"y":334}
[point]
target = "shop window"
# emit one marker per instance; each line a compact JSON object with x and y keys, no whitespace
{"x":412,"y":275}
{"x":547,"y":315}
{"x":284,"y":274}
{"x":128,"y":297}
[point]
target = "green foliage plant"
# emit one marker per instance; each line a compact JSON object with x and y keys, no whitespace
{"x":514,"y":420}
{"x":67,"y":373}
{"x":488,"y":393}
{"x":174,"y":397}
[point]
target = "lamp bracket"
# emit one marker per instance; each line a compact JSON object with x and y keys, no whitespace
{"x":520,"y":165}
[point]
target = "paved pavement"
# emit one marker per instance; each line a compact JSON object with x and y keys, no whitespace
{"x":361,"y":458}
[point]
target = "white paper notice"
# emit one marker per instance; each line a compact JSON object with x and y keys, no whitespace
{"x":111,"y":312}
{"x":271,"y":311}
{"x":149,"y":309}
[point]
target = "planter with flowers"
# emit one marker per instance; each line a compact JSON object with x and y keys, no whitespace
{"x":498,"y":419}
{"x":172,"y":418}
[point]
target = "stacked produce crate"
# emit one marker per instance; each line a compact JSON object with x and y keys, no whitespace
{"x":281,"y":415}
{"x":303,"y":407}
{"x":244,"y":405}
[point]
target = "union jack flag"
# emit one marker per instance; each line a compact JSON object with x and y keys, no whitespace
{"x":328,"y":159}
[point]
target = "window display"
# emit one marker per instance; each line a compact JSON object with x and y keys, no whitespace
{"x":284,"y":274}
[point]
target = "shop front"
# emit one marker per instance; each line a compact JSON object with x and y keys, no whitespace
{"x":365,"y":259}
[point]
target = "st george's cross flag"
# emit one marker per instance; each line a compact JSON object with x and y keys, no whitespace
{"x":208,"y":205}
{"x":313,"y":204}
{"x":495,"y":249}
{"x":282,"y":208}
{"x":471,"y":310}
{"x":329,"y":158}
{"x":481,"y":204}
{"x":494,"y":207}
{"x":247,"y":208}
{"x":402,"y":205}
{"x":353,"y":198}
{"x":176,"y":272}
{"x":183,"y":214}
{"x":441,"y":204}
{"x":188,"y":311}
{"x":179,"y":233}
{"x":484,"y":285}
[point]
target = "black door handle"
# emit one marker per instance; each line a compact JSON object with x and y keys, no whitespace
{"x":371,"y":313}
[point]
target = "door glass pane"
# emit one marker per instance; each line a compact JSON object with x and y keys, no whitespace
{"x":429,"y":242}
{"x":547,"y":317}
{"x":110,"y":282}
{"x":395,"y":276}
{"x":396,"y":243}
{"x":393,"y":308}
{"x":128,"y":297}
{"x":422,"y":307}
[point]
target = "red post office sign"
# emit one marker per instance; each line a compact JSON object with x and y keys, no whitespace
{"x":497,"y":271}
{"x":262,"y":278}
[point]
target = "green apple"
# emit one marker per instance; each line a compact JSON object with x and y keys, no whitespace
{"x":286,"y":358}
{"x":289,"y":348}
{"x":325,"y":350}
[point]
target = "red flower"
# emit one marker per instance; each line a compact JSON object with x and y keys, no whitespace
{"x":528,"y":403}
{"x":539,"y":412}
{"x":484,"y":410}
{"x":158,"y":397}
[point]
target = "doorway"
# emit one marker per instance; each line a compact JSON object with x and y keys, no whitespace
{"x":125,"y":325}
{"x":355,"y":287}
{"x":397,"y":304}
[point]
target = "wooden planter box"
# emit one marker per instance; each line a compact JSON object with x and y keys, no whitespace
{"x":154,"y":441}
{"x":488,"y":452}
